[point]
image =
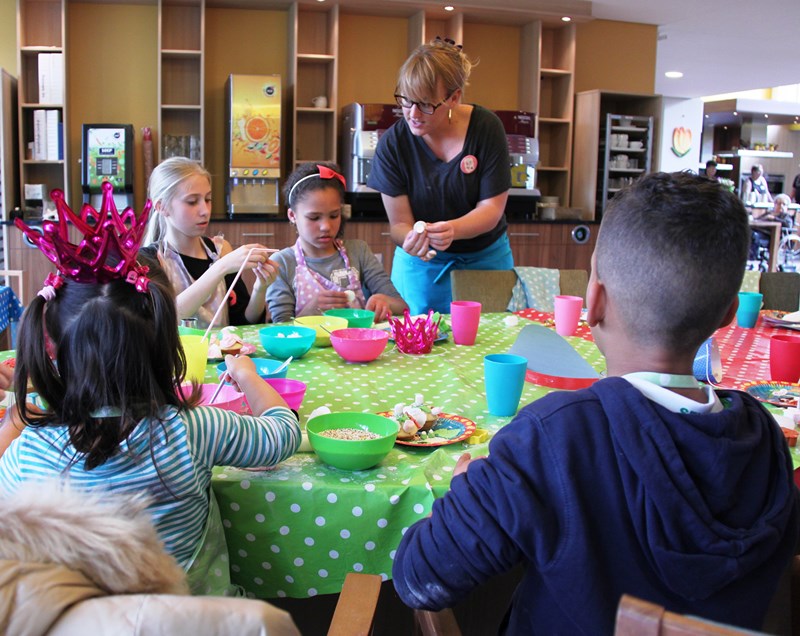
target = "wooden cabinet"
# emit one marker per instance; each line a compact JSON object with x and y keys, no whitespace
{"x":552,"y":245}
{"x":23,"y":255}
{"x":274,"y":234}
{"x":41,"y":61}
{"x":313,"y":74}
{"x":594,"y":177}
{"x":376,"y":235}
{"x":181,"y":92}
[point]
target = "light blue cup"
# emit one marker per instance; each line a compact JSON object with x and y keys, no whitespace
{"x":504,"y":375}
{"x":749,"y":306}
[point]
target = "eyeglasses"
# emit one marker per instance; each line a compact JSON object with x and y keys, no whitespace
{"x":423,"y":107}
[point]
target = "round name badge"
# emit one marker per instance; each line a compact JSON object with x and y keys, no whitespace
{"x":469,"y":164}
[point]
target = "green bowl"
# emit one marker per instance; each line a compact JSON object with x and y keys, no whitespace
{"x":358,"y":318}
{"x":282,"y":341}
{"x":323,"y":325}
{"x":352,"y":454}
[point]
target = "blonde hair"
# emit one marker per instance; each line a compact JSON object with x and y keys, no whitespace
{"x":431,"y":63}
{"x":162,"y":188}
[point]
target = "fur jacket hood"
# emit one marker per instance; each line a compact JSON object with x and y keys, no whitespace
{"x":59,"y":546}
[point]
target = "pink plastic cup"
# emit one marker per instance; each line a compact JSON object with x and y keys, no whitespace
{"x":784,"y":358}
{"x":567,"y":314}
{"x":465,"y":316}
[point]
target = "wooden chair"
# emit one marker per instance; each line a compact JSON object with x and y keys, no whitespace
{"x":355,"y":609}
{"x":781,"y":290}
{"x":636,"y":617}
{"x":493,"y":288}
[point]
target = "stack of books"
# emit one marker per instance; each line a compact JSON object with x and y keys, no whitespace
{"x":47,"y":125}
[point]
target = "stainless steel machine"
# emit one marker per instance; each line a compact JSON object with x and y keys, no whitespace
{"x":361,"y":127}
{"x":523,"y":147}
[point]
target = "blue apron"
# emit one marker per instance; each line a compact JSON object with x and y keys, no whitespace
{"x":426,"y":285}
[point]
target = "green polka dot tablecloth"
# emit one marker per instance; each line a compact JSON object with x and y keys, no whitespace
{"x":298,"y":529}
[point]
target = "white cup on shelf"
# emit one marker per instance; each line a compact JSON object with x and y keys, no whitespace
{"x":636,"y":145}
{"x":320,"y":101}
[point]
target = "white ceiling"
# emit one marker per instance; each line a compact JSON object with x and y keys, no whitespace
{"x":721,"y":46}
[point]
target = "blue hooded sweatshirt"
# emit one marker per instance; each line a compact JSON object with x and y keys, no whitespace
{"x":603,"y":492}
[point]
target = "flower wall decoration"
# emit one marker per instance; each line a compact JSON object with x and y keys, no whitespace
{"x":681,"y":141}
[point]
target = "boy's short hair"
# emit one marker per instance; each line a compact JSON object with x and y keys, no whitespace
{"x":671,"y":252}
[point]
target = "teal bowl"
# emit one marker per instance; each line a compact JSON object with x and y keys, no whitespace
{"x":264,"y":367}
{"x":282,"y":341}
{"x":352,"y":454}
{"x":356,"y":318}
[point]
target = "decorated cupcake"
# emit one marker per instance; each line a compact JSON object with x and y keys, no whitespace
{"x":415,"y":418}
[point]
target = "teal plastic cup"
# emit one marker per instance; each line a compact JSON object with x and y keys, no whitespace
{"x":504,"y":375}
{"x":749,"y":306}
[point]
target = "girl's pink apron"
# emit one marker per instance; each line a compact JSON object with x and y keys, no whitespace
{"x":308,"y":284}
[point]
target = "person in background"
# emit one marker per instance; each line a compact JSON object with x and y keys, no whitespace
{"x":202,"y":269}
{"x":755,"y":189}
{"x":780,"y":212}
{"x":648,"y":482}
{"x":443,"y":172}
{"x":99,"y":345}
{"x":711,"y":170}
{"x":796,"y":189}
{"x":322,"y":270}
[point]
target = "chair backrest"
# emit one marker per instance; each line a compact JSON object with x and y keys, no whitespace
{"x":781,"y":290}
{"x":491,"y":288}
{"x":636,"y":617}
{"x":573,"y":282}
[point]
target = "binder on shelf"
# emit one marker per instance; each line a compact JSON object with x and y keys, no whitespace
{"x":39,"y":135}
{"x":52,"y":137}
{"x":51,"y":78}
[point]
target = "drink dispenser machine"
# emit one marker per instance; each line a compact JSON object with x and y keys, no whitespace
{"x":107,"y":155}
{"x":361,"y":127}
{"x":253,"y":127}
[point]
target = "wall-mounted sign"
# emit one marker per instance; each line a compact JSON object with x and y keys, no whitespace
{"x":681,"y":141}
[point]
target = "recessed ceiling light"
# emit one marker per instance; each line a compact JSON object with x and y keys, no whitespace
{"x":735,"y":114}
{"x":766,"y":115}
{"x":673,"y":74}
{"x":449,"y":7}
{"x":566,"y":18}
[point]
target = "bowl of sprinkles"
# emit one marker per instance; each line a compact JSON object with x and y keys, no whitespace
{"x":351,"y":441}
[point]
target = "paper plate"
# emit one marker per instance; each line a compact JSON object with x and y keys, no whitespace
{"x":777,"y":393}
{"x":449,"y":429}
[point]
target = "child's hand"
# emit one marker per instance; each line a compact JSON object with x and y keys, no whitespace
{"x":266,"y":273}
{"x":463,"y":463}
{"x":379,"y":303}
{"x":328,"y":299}
{"x":239,"y":367}
{"x":260,"y":395}
{"x":232,"y":261}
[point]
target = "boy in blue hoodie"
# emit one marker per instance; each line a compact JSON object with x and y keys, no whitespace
{"x":648,"y":482}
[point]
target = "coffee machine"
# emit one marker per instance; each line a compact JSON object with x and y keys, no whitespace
{"x":523,"y":149}
{"x":361,"y":127}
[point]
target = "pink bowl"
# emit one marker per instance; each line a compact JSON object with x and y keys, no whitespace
{"x":293,"y":391}
{"x":359,"y":345}
{"x":228,"y":398}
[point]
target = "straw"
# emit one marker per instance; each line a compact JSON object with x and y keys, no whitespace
{"x":230,"y":289}
{"x":225,"y":376}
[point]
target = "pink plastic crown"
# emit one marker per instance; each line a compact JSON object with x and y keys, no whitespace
{"x":110,"y":240}
{"x":414,"y":336}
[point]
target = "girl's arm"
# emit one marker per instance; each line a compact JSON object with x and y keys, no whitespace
{"x":10,"y":429}
{"x":229,"y":262}
{"x":265,"y":275}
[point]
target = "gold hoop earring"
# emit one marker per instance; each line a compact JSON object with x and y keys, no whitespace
{"x":449,"y":115}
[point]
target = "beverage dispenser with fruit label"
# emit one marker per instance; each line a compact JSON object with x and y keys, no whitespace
{"x":253,"y":127}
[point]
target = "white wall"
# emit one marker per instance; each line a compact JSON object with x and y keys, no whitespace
{"x":680,"y":113}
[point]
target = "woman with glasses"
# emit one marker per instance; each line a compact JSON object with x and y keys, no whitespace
{"x":443,"y":172}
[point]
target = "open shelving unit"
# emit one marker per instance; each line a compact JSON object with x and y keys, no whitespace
{"x":626,"y":144}
{"x":181,"y":35}
{"x":313,"y":72}
{"x":41,"y":29}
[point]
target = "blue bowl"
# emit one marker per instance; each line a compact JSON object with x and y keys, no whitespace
{"x":282,"y":341}
{"x":264,"y":367}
